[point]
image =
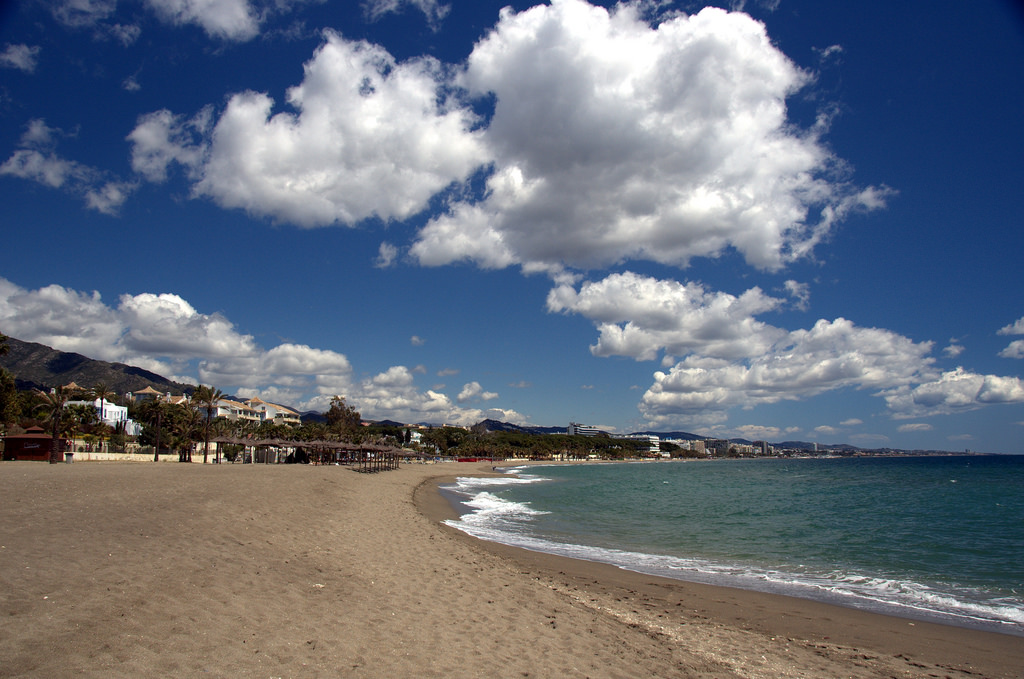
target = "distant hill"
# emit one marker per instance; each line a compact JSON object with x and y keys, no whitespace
{"x":494,"y":425}
{"x":804,"y":445}
{"x":680,"y":435}
{"x":37,"y":366}
{"x":386,"y":423}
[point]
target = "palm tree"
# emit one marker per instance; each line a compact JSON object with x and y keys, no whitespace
{"x":53,"y":403}
{"x":101,"y":392}
{"x":157,"y":412}
{"x":207,"y":398}
{"x":79,"y":418}
{"x":183,"y":423}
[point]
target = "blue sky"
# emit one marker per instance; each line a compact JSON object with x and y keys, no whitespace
{"x":773,"y":219}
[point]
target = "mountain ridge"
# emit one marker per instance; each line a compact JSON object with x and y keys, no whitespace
{"x":37,"y":366}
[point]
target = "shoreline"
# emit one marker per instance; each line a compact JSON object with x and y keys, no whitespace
{"x":804,"y":621}
{"x":912,"y":611}
{"x":127,"y":570}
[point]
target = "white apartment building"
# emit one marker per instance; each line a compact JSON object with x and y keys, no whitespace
{"x":653,"y":441}
{"x":111,"y":414}
{"x":273,"y":412}
{"x":576,"y":429}
{"x":235,"y":411}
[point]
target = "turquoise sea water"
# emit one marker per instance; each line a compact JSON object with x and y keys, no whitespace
{"x":936,"y":538}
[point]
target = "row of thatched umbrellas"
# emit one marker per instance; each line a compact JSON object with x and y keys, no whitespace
{"x":366,"y":456}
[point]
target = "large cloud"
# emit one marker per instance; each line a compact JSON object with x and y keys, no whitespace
{"x":638,"y":316}
{"x":614,"y":140}
{"x":731,"y":359}
{"x":831,"y":355}
{"x":61,"y":318}
{"x":162,"y":332}
{"x":370,"y":137}
{"x":954,"y":391}
{"x":610,"y":140}
{"x":299,"y":368}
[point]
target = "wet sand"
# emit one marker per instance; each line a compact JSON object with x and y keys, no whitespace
{"x":135,"y":569}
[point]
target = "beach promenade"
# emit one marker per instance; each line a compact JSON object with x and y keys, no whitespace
{"x":177,"y":570}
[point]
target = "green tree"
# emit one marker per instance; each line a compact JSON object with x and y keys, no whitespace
{"x":343,"y":419}
{"x":53,"y":406}
{"x":185,"y":426}
{"x":9,"y":408}
{"x":80,"y":418}
{"x":103,"y":394}
{"x":206,"y":398}
{"x":118,"y":434}
{"x":151,"y":414}
{"x":443,"y":439}
{"x":268,"y":429}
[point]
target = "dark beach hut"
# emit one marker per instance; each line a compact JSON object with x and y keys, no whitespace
{"x":34,"y":444}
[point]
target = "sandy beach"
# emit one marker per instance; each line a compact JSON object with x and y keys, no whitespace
{"x":135,"y":569}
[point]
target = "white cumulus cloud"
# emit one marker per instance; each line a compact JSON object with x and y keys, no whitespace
{"x":638,"y":316}
{"x":718,"y":355}
{"x":226,"y":19}
{"x":393,"y":395}
{"x":166,"y":334}
{"x":161,"y":138}
{"x":804,"y":363}
{"x":953,"y":391}
{"x":1014,"y":349}
{"x":1015,"y":328}
{"x":613,"y":140}
{"x":472,"y":391}
{"x":366,"y":136}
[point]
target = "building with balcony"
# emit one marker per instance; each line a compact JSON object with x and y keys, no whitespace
{"x":273,"y":412}
{"x":576,"y":429}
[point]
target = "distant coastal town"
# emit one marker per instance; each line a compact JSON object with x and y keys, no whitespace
{"x":95,"y":424}
{"x":59,"y":406}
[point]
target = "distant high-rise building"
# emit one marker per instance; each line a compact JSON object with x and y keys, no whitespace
{"x":576,"y":429}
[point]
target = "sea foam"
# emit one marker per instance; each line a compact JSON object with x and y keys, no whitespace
{"x":490,"y":516}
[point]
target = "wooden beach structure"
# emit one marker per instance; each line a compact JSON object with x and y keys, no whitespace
{"x":34,"y":444}
{"x":362,"y":457}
